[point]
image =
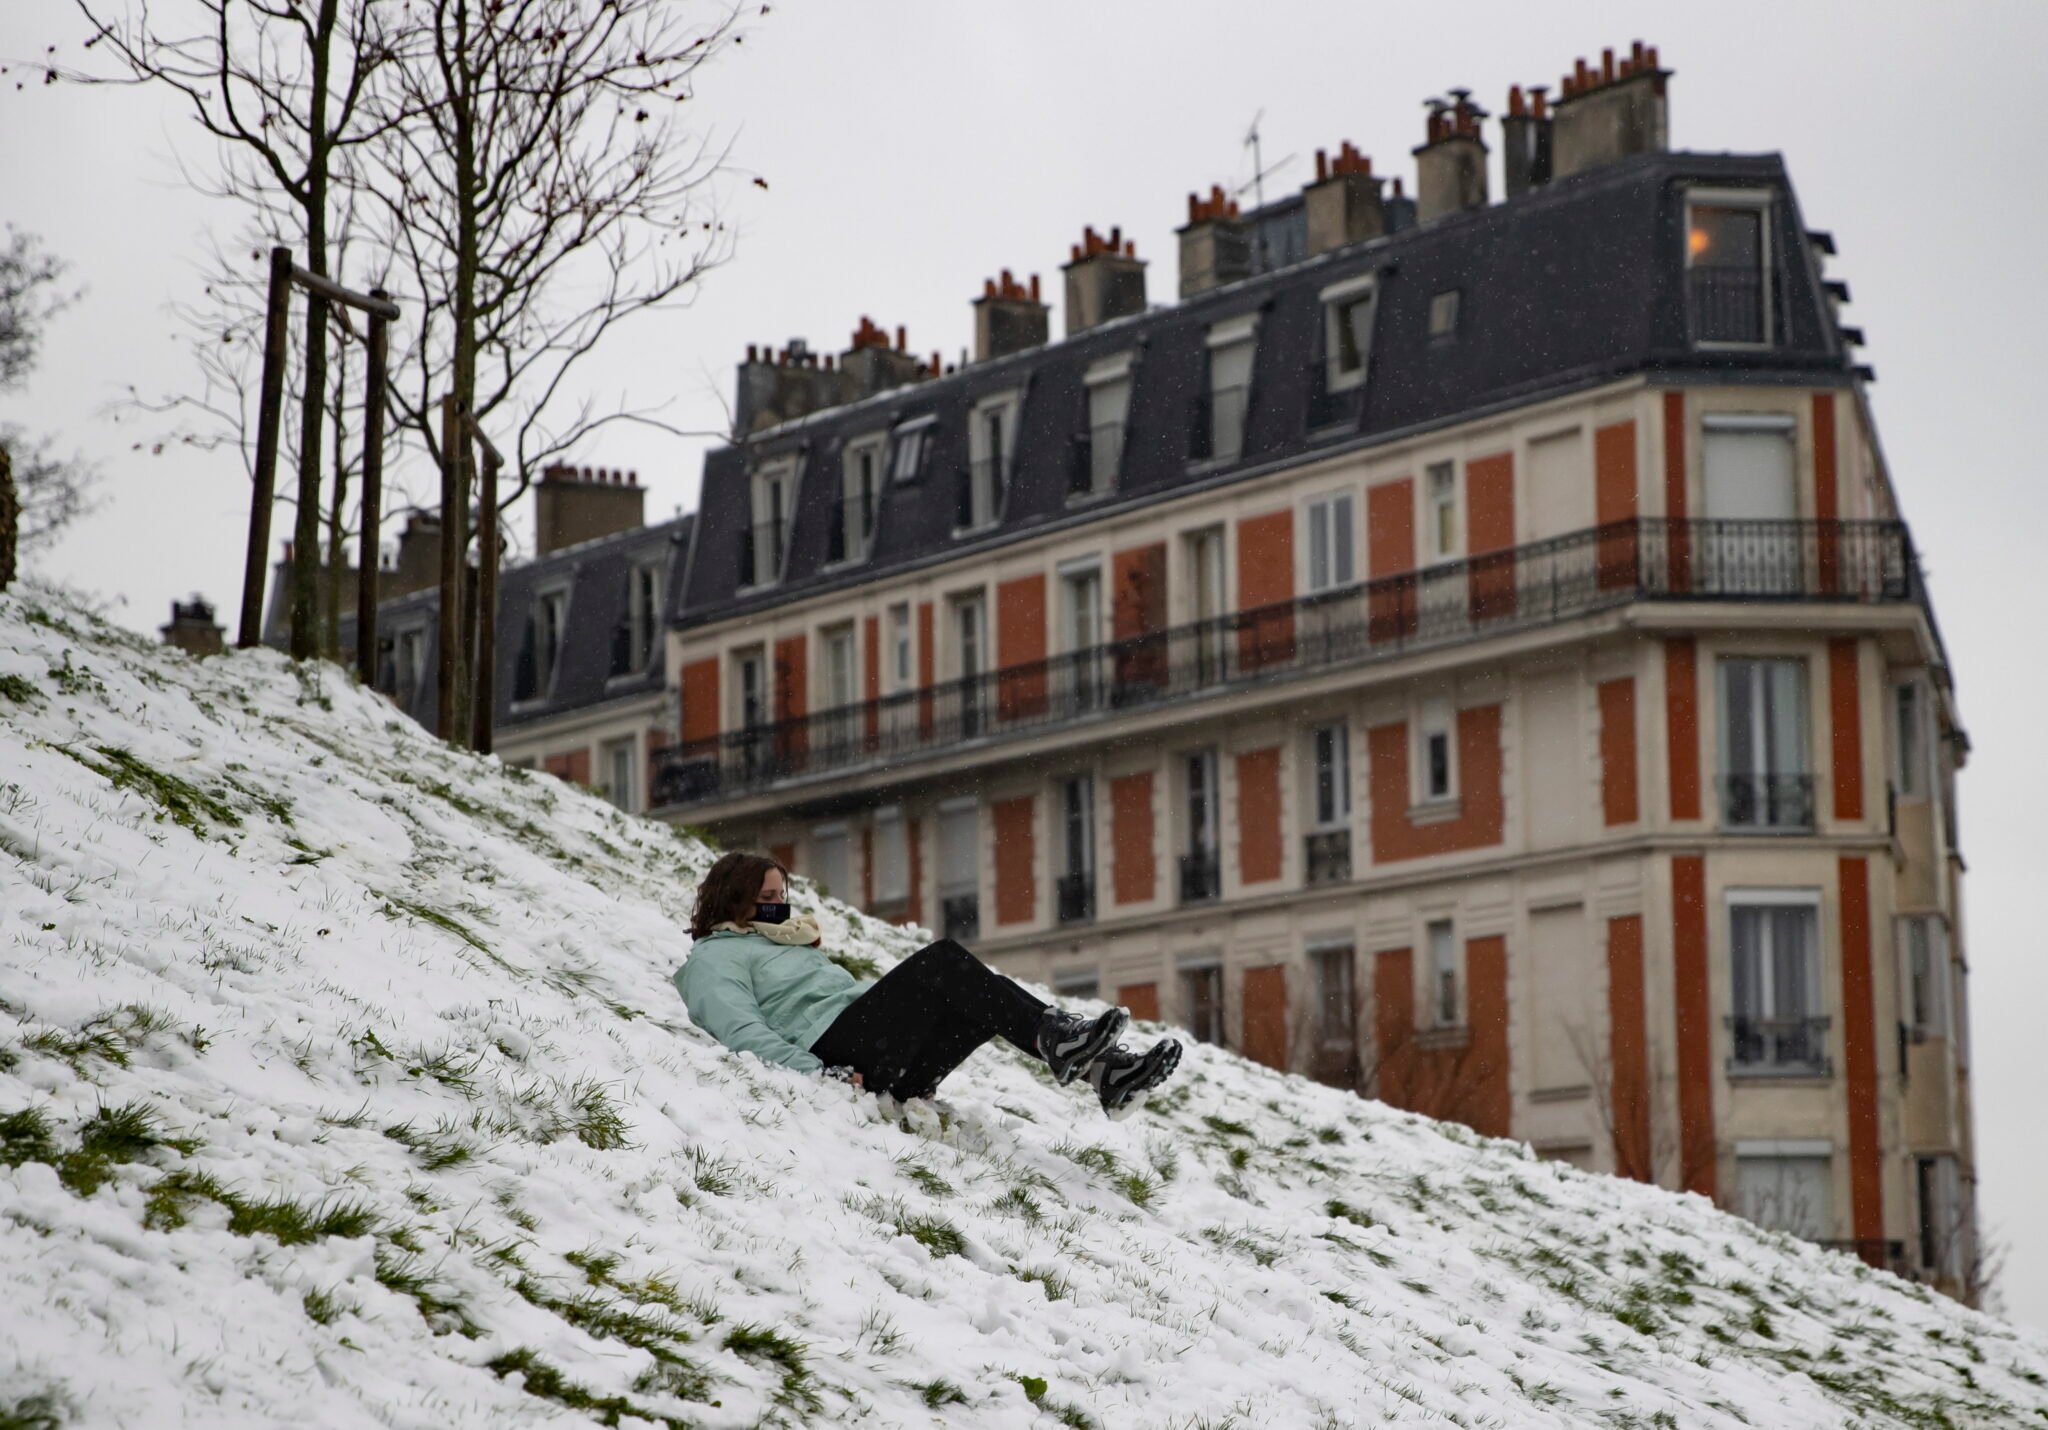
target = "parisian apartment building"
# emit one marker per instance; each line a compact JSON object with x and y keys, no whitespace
{"x":1466,"y":649}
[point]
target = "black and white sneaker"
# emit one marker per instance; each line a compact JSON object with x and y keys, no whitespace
{"x":1122,"y":1078}
{"x":1069,"y":1042}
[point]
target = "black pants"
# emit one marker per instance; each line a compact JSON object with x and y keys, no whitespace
{"x":924,"y":1017}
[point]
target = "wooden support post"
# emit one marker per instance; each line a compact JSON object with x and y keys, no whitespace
{"x":447,"y":689}
{"x":484,"y":692}
{"x":269,"y":404}
{"x":367,"y":545}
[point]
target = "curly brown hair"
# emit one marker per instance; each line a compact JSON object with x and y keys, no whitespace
{"x":730,"y":890}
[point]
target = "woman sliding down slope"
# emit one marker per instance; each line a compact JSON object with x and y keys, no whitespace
{"x":756,"y":981}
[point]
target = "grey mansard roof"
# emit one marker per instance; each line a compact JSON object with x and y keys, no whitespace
{"x":1577,"y":282}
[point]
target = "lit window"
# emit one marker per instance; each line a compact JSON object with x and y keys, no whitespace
{"x":1727,"y":256}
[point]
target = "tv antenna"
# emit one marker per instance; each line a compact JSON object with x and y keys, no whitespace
{"x":1257,"y":183}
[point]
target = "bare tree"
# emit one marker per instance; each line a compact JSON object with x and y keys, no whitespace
{"x":45,"y":491}
{"x":280,"y":85}
{"x":1641,"y":1126}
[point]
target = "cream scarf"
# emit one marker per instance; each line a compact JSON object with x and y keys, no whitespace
{"x":799,"y":931}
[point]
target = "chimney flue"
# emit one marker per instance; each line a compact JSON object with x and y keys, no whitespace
{"x":1343,"y":206}
{"x":1611,"y":113}
{"x":1009,"y":318}
{"x":1450,"y":165}
{"x":1105,"y":280}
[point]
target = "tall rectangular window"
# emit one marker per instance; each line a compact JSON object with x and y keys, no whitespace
{"x":900,"y":661}
{"x":1727,"y":260}
{"x":1446,"y":976}
{"x":750,"y":684}
{"x":1336,"y":1011}
{"x":1436,"y":773}
{"x":860,"y":480}
{"x":1764,"y":774}
{"x":1201,"y":872}
{"x":831,"y":863}
{"x":1206,"y":598}
{"x":1229,"y":389}
{"x":970,"y":653}
{"x":1076,"y":892}
{"x":842,"y":679}
{"x":1923,"y":950}
{"x":1330,"y":759}
{"x":892,"y":860}
{"x":619,"y":784}
{"x":1332,"y":543}
{"x":1440,"y":526}
{"x":1944,"y":1229}
{"x":960,"y":870}
{"x":990,"y":438}
{"x":765,"y":541}
{"x":1911,"y":741}
{"x":411,"y":657}
{"x":911,"y":442}
{"x":1788,"y":1192}
{"x":550,"y":620}
{"x":1201,"y":996}
{"x":1081,"y":618}
{"x":633,"y":640}
{"x":1347,"y":329}
{"x":1109,"y":406}
{"x":1774,"y":958}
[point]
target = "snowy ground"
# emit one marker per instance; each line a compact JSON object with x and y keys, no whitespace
{"x":342,"y":1083}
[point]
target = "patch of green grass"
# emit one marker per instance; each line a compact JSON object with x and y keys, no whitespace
{"x":935,"y":1234}
{"x":395,"y":904}
{"x":18,"y":688}
{"x":938,"y":1393}
{"x":41,"y":1411}
{"x":293,"y":1223}
{"x":929,"y":1181}
{"x":25,"y":1137}
{"x":1055,"y":1285}
{"x":859,"y":965}
{"x":1224,"y":1127}
{"x":1034,"y":1387}
{"x":180,"y":800}
{"x":764,"y":1344}
{"x":714,"y":1176}
{"x":1095,"y":1159}
{"x":1018,"y":1202}
{"x":398,"y":1270}
{"x":1071,"y":1416}
{"x":1244,"y":1243}
{"x":1343,"y":1211}
{"x":1140,"y":1188}
{"x":77,"y":1049}
{"x":596,"y":1269}
{"x":439,"y":1149}
{"x":598,"y":1123}
{"x":545,"y":1382}
{"x":321,"y":1307}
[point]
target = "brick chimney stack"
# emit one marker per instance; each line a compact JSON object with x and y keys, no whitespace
{"x":1343,"y":204}
{"x":777,"y":386}
{"x":1611,"y":112}
{"x":574,"y":504}
{"x":1525,"y":140}
{"x":871,"y":364}
{"x":419,"y":557}
{"x":1105,"y":280}
{"x":1215,"y":243}
{"x":1450,"y":165}
{"x":193,"y":629}
{"x":1009,"y":317}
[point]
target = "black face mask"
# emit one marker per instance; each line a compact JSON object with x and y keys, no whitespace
{"x":771,"y":913}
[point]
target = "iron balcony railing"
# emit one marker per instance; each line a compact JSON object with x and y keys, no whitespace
{"x":1076,"y":898}
{"x":1767,"y":802}
{"x":853,"y":528}
{"x":1201,"y":876}
{"x":761,"y":551}
{"x":1785,"y":1046}
{"x":1644,"y":559}
{"x":1728,"y":303}
{"x":1328,"y":858}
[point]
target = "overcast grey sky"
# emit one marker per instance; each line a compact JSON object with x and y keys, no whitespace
{"x":913,"y":149}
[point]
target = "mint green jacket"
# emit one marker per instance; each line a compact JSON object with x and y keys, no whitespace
{"x":761,"y":997}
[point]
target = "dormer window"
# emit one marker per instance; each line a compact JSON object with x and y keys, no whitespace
{"x":541,"y":650}
{"x":1098,"y":459}
{"x":853,"y":517}
{"x":991,"y":445}
{"x":633,"y":640}
{"x":1233,"y":344}
{"x":1347,"y":333}
{"x":1728,"y":269}
{"x":909,"y":446}
{"x":767,"y":538}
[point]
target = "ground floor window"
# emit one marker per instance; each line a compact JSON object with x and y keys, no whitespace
{"x":1789,"y":1190}
{"x":1201,"y":1000}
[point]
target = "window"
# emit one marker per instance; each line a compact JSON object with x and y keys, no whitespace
{"x":911,"y":442}
{"x":1231,"y":349}
{"x":633,"y":647}
{"x":619,"y":784}
{"x":900,"y":667}
{"x":1109,"y":405}
{"x":1748,"y":469}
{"x":830,"y":863}
{"x":1201,"y":875}
{"x":1441,"y":519}
{"x":1077,"y":983}
{"x":1774,"y":957}
{"x":1206,"y":597}
{"x":970,"y":646}
{"x":761,"y":550}
{"x":841,"y":680}
{"x":1201,"y":997}
{"x":960,"y":870}
{"x":854,"y":517}
{"x":410,"y":660}
{"x":750,"y":686}
{"x":1764,"y":779}
{"x":1336,"y":1012}
{"x":1330,"y":759}
{"x":1911,"y":741}
{"x":1446,"y":976}
{"x":1436,"y":773}
{"x":1077,"y":842}
{"x":1443,"y":315}
{"x":1944,"y":1230}
{"x":1787,"y":1190}
{"x":550,"y":611}
{"x":1081,"y":619}
{"x":892,"y":860}
{"x":988,"y":473}
{"x":1728,"y":271}
{"x":1332,"y":543}
{"x":1347,"y":334}
{"x":1923,"y":953}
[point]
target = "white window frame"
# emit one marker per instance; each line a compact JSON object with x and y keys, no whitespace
{"x":771,"y":477}
{"x":755,"y":656}
{"x":1073,"y":575}
{"x":1240,"y":331}
{"x":989,"y":485}
{"x":1437,"y":716}
{"x":1339,"y":744}
{"x":609,"y":752}
{"x":643,"y":624}
{"x":1444,"y":952}
{"x":1207,"y":964}
{"x":902,"y":658}
{"x":1433,"y":508}
{"x":1801,"y":758}
{"x":1445,"y":310}
{"x":1909,"y":738}
{"x":1316,"y":953}
{"x":1204,"y":836}
{"x":1816,"y":982}
{"x":1923,"y":974}
{"x":1789,"y":1150}
{"x":958,"y":606}
{"x":909,"y":448}
{"x":1109,"y":372}
{"x":550,"y":598}
{"x":870,"y":448}
{"x":1337,"y":300}
{"x":823,"y":834}
{"x":1761,"y":201}
{"x":1331,"y":524}
{"x":892,"y":876}
{"x":408,"y":648}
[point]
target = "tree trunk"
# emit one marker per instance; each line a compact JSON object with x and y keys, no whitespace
{"x":313,"y":401}
{"x":330,"y":632}
{"x":455,"y":524}
{"x":10,"y":517}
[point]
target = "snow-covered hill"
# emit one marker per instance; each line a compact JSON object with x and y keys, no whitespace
{"x":342,"y":1083}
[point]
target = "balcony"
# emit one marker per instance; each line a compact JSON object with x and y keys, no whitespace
{"x":1727,"y":303}
{"x":853,"y":528}
{"x":1523,"y":588}
{"x":761,"y":551}
{"x":960,"y":917}
{"x":1772,"y":804}
{"x":1327,"y":856}
{"x":1201,"y":877}
{"x":1076,"y":898}
{"x":1779,"y":1047}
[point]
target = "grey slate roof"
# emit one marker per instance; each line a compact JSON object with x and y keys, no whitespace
{"x":1577,"y":282}
{"x":595,"y":575}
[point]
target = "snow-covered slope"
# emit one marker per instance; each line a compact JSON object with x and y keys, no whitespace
{"x":342,"y":1083}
